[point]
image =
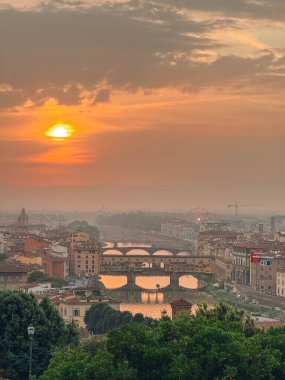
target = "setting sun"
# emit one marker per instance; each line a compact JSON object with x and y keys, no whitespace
{"x":60,"y":131}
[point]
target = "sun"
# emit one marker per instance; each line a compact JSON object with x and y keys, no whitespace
{"x":60,"y":131}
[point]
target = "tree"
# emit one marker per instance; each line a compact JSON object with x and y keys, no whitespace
{"x":17,"y":311}
{"x":213,"y":345}
{"x":3,"y":256}
{"x":84,"y":226}
{"x":101,"y":318}
{"x":38,"y":276}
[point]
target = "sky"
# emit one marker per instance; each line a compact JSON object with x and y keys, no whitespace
{"x":170,"y":104}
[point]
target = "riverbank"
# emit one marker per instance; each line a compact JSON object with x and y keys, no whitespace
{"x":220,"y":295}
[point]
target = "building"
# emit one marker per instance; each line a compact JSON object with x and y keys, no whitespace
{"x":180,"y":306}
{"x":4,"y":242}
{"x":34,"y":243}
{"x":85,"y":255}
{"x":263,"y":271}
{"x":22,"y":224}
{"x":223,"y":268}
{"x":178,"y":228}
{"x":50,"y":264}
{"x":85,"y":259}
{"x":280,"y":236}
{"x":55,"y":266}
{"x":280,"y":282}
{"x":73,"y":304}
{"x":29,"y":259}
{"x":242,"y":258}
{"x":36,"y":288}
{"x":210,"y":242}
{"x":79,"y":237}
{"x":11,"y":276}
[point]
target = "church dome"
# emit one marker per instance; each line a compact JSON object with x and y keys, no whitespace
{"x":23,"y":219}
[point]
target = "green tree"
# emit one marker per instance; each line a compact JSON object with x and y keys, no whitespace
{"x":84,"y":226}
{"x":17,"y":311}
{"x":101,"y":318}
{"x":216,"y":344}
{"x":3,"y":256}
{"x":36,"y":276}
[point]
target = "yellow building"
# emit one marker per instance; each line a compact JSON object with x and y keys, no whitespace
{"x":29,"y":259}
{"x":280,"y":282}
{"x":73,"y":307}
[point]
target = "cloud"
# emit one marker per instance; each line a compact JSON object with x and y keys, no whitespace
{"x":61,"y":53}
{"x":102,"y":96}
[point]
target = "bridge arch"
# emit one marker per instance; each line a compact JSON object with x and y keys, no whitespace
{"x":183,"y":253}
{"x":113,"y":252}
{"x":162,"y":252}
{"x":137,"y":252}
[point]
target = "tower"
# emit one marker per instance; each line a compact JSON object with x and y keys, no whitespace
{"x":22,"y":223}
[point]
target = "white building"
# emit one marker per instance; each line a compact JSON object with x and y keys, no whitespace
{"x":4,"y":242}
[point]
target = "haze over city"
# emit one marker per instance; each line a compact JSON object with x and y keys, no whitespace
{"x":131,"y":104}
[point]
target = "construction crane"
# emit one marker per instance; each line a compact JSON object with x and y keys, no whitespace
{"x":237,"y":206}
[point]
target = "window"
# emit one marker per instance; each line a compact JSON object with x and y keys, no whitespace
{"x":76,"y":313}
{"x":65,"y":311}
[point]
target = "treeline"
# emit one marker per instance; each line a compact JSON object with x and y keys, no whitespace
{"x":37,"y":277}
{"x":84,"y":226}
{"x":132,"y":220}
{"x":101,"y":318}
{"x":216,"y":344}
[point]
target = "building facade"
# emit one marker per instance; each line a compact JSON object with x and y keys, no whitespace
{"x":180,"y":306}
{"x":85,"y":255}
{"x":11,"y":276}
{"x":280,"y":282}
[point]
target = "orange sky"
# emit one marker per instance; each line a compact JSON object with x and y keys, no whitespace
{"x":172,"y":106}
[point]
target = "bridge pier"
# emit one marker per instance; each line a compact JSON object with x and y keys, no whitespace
{"x":131,"y":280}
{"x":174,"y":280}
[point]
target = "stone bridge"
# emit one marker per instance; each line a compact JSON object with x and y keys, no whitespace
{"x":147,"y":265}
{"x":126,"y":251}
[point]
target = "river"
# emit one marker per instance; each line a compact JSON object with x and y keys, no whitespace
{"x":152,"y":299}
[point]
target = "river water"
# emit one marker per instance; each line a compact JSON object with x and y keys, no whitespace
{"x":152,"y":300}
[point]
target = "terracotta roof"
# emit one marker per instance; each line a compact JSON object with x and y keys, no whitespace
{"x":10,"y":268}
{"x":180,"y":302}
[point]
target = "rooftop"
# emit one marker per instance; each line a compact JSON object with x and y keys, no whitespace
{"x":10,"y":268}
{"x":180,"y":302}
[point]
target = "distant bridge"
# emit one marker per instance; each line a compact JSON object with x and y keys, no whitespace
{"x":151,"y":265}
{"x":142,"y":251}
